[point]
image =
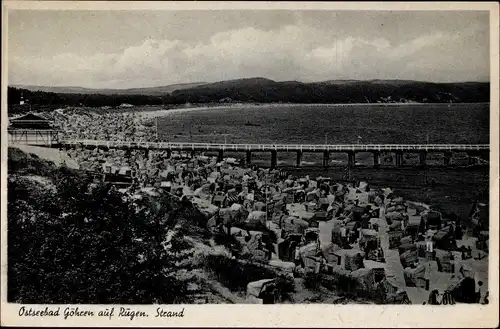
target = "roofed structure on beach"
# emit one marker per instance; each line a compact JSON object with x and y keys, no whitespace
{"x":32,"y":129}
{"x":30,"y":121}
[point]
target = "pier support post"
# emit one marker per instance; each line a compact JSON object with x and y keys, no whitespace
{"x":146,"y":154}
{"x":220,"y":156}
{"x":399,"y":159}
{"x":248,"y":160}
{"x":351,"y":159}
{"x":376,"y":159}
{"x":326,"y":158}
{"x":192,"y":153}
{"x":299,"y":159}
{"x":169,"y":153}
{"x":447,"y":158}
{"x":274,"y":159}
{"x":423,"y":159}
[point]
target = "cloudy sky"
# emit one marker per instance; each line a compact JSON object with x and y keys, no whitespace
{"x":125,"y":49}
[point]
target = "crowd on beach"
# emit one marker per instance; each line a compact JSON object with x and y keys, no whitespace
{"x":404,"y":251}
{"x":78,"y":124}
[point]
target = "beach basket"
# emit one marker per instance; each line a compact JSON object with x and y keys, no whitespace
{"x":354,"y":260}
{"x":444,"y":261}
{"x":409,"y":258}
{"x":406,"y":247}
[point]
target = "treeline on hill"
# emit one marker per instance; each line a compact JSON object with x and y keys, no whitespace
{"x":262,"y":90}
{"x":267,"y":91}
{"x":49,"y":99}
{"x":73,"y":241}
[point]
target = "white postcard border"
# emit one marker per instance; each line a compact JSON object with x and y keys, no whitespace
{"x":276,"y":315}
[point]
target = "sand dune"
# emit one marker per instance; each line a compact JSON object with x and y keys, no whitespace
{"x":50,"y":154}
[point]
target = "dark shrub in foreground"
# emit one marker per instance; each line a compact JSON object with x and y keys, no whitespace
{"x":236,"y":274}
{"x":344,"y":285}
{"x":79,"y":243}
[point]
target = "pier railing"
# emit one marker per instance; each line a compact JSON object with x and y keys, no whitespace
{"x":277,"y":147}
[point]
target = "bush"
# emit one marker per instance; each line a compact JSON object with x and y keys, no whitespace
{"x":228,"y":241}
{"x":343,"y":284}
{"x":20,"y":162}
{"x":285,"y":286}
{"x":78,"y":244}
{"x":234,"y":274}
{"x":348,"y":286}
{"x":190,"y":220}
{"x":312,"y":281}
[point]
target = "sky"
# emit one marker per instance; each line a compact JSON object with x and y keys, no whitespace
{"x":131,"y":49}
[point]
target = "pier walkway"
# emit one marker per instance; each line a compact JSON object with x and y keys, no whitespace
{"x":476,"y":152}
{"x":278,"y":147}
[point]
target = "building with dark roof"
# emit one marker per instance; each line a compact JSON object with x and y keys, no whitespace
{"x":32,"y":129}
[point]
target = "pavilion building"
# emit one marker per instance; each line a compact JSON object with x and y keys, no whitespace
{"x":32,"y":129}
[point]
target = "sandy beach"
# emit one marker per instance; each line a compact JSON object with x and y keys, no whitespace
{"x":162,"y":113}
{"x":166,"y":112}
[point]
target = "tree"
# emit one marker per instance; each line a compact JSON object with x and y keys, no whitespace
{"x":85,"y":243}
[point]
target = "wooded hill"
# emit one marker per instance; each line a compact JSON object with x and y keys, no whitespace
{"x":261,"y":90}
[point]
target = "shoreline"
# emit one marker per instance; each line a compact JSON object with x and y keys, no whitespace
{"x":147,"y":114}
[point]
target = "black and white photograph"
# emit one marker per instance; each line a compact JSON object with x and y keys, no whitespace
{"x":247,"y":156}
